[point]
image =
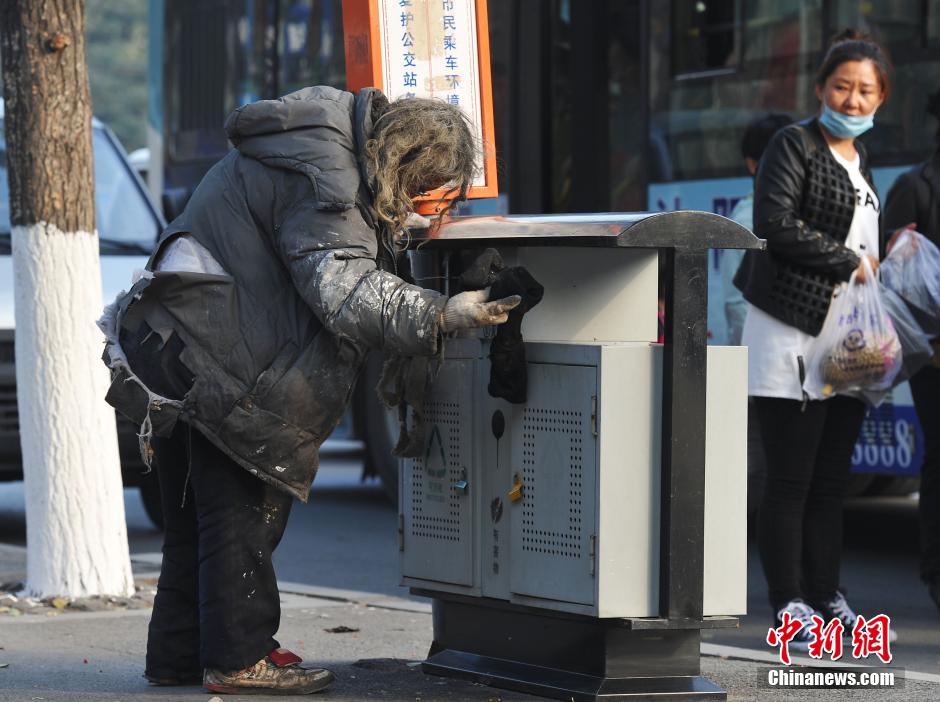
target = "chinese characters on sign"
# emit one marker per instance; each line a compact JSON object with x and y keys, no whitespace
{"x":429,"y":49}
{"x":870,"y":637}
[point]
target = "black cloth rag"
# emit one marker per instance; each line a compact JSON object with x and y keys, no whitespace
{"x":508,"y":376}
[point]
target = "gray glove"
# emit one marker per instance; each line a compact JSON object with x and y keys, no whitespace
{"x":416,"y":221}
{"x":470,"y":309}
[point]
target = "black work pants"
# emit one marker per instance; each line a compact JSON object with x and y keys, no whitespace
{"x":925,"y":388}
{"x":809,"y":455}
{"x":217,"y":603}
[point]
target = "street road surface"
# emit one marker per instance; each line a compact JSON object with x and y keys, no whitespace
{"x":345,"y":538}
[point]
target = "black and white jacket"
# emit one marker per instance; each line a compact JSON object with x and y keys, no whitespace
{"x":804,"y":202}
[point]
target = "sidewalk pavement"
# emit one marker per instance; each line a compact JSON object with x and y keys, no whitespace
{"x":78,"y":656}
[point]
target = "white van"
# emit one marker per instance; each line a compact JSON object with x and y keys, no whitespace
{"x":128,"y":226}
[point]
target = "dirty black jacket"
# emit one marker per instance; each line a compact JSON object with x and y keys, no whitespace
{"x":915,"y":197}
{"x":804,"y":202}
{"x":276,"y":344}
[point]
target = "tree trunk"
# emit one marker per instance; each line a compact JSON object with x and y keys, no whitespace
{"x":76,"y":534}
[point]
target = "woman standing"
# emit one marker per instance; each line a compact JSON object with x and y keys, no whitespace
{"x":914,"y":200}
{"x":816,"y":205}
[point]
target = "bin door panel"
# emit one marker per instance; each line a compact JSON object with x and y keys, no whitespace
{"x":437,"y":539}
{"x":554,"y":453}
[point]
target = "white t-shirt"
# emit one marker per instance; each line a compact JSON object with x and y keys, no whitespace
{"x":774,"y":347}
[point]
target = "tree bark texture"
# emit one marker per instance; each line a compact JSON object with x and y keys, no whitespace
{"x":75,"y":528}
{"x":48,"y":113}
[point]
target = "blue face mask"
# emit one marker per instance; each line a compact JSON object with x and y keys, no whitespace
{"x":844,"y":126}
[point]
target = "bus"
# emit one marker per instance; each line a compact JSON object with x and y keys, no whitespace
{"x":607,"y":105}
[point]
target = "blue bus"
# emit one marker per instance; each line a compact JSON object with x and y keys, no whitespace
{"x":608,"y":105}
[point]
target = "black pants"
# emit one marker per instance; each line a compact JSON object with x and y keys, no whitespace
{"x":217,"y":603}
{"x":809,"y":455}
{"x":925,"y":388}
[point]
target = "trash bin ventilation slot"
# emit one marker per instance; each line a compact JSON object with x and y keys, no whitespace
{"x":540,"y":425}
{"x":435,"y":504}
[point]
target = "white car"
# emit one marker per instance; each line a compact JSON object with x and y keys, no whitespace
{"x":128,"y":226}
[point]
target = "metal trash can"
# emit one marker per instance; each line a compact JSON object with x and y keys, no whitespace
{"x":576,"y":545}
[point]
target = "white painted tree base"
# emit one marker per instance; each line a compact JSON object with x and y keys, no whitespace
{"x":75,"y":528}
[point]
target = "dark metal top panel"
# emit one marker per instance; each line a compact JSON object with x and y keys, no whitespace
{"x":685,"y":229}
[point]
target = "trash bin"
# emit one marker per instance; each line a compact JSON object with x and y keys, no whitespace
{"x":575,"y":546}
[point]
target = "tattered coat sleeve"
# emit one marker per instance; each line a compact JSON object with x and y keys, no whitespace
{"x":331,"y":259}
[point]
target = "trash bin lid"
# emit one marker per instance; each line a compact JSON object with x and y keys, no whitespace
{"x":683,"y":229}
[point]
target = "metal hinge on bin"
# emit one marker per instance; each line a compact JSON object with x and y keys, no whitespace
{"x":593,"y":554}
{"x":594,"y":415}
{"x":401,"y":532}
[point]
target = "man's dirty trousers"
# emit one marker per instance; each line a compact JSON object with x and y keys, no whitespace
{"x":217,"y":603}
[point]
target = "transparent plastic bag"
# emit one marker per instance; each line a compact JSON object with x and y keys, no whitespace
{"x":916,"y":350}
{"x":915,"y":344}
{"x":858,"y":350}
{"x":912,"y":270}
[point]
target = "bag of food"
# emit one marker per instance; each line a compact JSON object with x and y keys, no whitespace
{"x":916,"y":350}
{"x":912,"y":270}
{"x":858,"y":348}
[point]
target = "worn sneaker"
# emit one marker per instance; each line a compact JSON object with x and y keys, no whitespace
{"x":801,"y":612}
{"x":278,"y":673}
{"x":838,"y":608}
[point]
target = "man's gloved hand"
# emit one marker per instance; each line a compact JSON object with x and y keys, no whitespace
{"x":470,"y":309}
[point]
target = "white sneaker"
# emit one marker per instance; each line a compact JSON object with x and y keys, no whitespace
{"x":801,"y":612}
{"x":838,"y":608}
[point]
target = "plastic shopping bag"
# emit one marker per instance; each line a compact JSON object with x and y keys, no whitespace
{"x":915,"y":344}
{"x":858,"y":348}
{"x":916,"y":350}
{"x":912,"y":270}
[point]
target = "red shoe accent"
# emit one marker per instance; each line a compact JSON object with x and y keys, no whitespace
{"x":282,"y":658}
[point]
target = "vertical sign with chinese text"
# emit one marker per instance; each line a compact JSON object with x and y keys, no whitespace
{"x":426,"y":48}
